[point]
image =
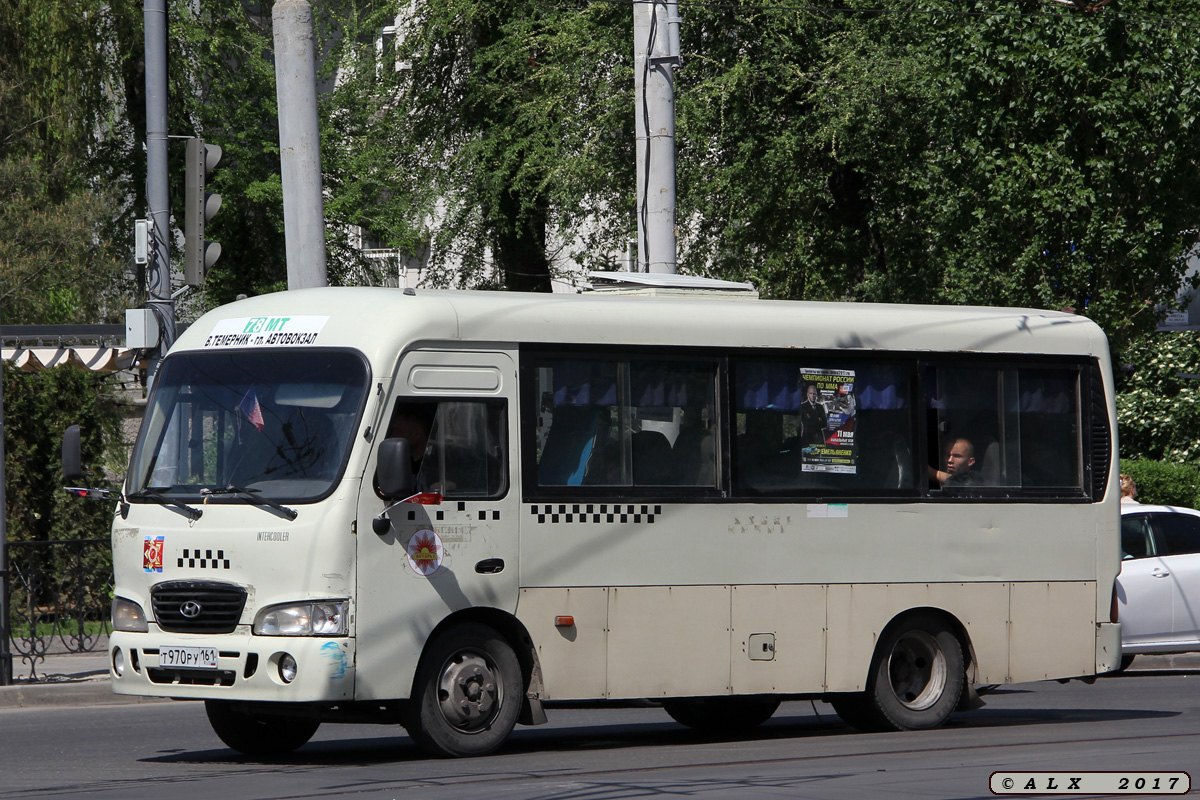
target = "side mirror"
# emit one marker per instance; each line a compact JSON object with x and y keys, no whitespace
{"x":72,"y":458}
{"x":393,"y":470}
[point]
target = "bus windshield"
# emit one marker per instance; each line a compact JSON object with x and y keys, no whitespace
{"x":277,"y":424}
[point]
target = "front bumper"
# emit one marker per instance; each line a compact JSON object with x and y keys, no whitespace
{"x":247,"y":667}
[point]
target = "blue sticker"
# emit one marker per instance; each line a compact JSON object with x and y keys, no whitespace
{"x":333,"y":652}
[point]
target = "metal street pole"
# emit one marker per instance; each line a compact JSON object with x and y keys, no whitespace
{"x":5,"y":627}
{"x":656,"y":55}
{"x":299,"y":143}
{"x":157,"y":189}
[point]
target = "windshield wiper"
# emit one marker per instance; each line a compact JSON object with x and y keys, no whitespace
{"x":190,"y":512}
{"x":253,"y":496}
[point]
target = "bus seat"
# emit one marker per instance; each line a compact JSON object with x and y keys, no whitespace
{"x":652,"y":462}
{"x":989,"y":465}
{"x":900,"y":471}
{"x":695,"y":459}
{"x":568,"y":446}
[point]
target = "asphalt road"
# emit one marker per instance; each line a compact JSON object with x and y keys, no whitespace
{"x":1144,"y":721}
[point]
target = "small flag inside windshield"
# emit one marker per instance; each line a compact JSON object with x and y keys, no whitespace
{"x":251,"y":410}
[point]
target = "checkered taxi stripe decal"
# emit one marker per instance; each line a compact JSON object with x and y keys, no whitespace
{"x":595,"y":513}
{"x":203,"y":559}
{"x":483,"y":515}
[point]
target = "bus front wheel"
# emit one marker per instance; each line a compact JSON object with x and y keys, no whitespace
{"x":917,"y":677}
{"x":467,"y":693}
{"x":257,"y":734}
{"x":722,"y":714}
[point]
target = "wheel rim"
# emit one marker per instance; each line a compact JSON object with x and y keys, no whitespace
{"x":470,"y":692}
{"x":917,"y":670}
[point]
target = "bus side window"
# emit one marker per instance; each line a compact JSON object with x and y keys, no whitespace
{"x":626,"y":422}
{"x":1019,"y":428}
{"x":825,"y":426}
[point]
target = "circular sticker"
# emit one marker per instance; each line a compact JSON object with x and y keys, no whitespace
{"x":425,"y":552}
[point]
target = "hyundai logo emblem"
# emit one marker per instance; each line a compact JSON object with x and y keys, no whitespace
{"x":191,"y":609}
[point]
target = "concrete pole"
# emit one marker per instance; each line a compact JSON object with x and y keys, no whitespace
{"x":655,"y":55}
{"x":299,"y":143}
{"x":159,"y":269}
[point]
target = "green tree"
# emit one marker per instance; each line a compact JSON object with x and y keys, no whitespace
{"x":1009,"y":155}
{"x":1158,"y":411}
{"x":63,"y":144}
{"x":55,"y":267}
{"x":38,"y":407}
{"x":222,"y":88}
{"x":484,"y":128}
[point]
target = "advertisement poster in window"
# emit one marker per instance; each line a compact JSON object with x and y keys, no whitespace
{"x":827,"y":414}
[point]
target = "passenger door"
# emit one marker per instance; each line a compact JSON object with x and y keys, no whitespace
{"x":432,"y":561}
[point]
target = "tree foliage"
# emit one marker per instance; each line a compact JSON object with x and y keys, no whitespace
{"x":956,"y":153}
{"x":222,"y":88}
{"x":55,"y":265}
{"x":38,"y":407}
{"x":64,"y":148}
{"x":485,"y":130}
{"x":990,"y":153}
{"x":1158,"y":409}
{"x":1164,"y":483}
{"x":1011,"y":152}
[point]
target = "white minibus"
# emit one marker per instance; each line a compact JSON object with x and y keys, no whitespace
{"x":449,"y":510}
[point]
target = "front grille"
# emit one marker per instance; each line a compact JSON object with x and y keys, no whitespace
{"x":197,"y":606}
{"x":191,"y":677}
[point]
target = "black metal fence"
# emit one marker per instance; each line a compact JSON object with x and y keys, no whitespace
{"x":59,"y":596}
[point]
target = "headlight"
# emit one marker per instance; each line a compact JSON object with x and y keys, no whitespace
{"x":327,"y":618}
{"x":128,"y":616}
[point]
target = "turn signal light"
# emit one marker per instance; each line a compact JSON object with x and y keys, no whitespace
{"x":565,"y":621}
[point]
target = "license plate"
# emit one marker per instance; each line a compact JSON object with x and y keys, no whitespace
{"x":188,"y":657}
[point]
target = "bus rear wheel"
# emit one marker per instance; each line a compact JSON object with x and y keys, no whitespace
{"x":467,"y":693}
{"x":917,"y":677}
{"x":722,"y":714}
{"x":257,"y":734}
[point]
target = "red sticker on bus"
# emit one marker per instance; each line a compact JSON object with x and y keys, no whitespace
{"x":425,"y":552}
{"x":152,"y":554}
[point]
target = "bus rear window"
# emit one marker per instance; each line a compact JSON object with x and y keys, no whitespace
{"x":1005,"y":428}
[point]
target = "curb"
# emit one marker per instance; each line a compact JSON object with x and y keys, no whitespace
{"x":1178,"y":661}
{"x":73,"y":693}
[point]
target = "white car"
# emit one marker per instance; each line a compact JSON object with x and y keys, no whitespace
{"x":1158,"y":588}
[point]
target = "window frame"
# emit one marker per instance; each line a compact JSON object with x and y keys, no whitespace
{"x":1148,"y":531}
{"x":1159,"y":533}
{"x":507,"y":445}
{"x":144,"y":431}
{"x":1083,"y":366}
{"x":1089,"y":381}
{"x":531,"y":357}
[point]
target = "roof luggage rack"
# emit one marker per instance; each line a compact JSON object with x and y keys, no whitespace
{"x":658,"y":284}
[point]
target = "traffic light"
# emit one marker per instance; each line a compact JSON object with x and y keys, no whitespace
{"x":199,"y":207}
